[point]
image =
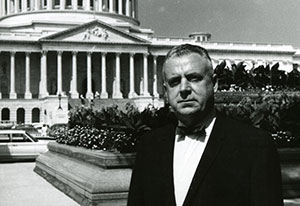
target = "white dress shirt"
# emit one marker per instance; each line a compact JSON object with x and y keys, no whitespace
{"x":187,"y":154}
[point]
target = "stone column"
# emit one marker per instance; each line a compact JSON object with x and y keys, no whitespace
{"x":28,"y":94}
{"x":62,"y":4}
{"x":43,"y":82}
{"x":74,"y":92}
{"x":146,"y":92}
{"x":127,"y":8}
{"x":87,"y":5}
{"x":132,"y":92}
{"x":104,"y":94}
{"x":37,"y":5}
{"x":49,"y":4}
{"x":89,"y":92}
{"x":155,"y":82}
{"x":31,"y":8}
{"x":24,"y":5}
{"x":120,"y":3}
{"x":16,"y":6}
{"x":12,"y":93}
{"x":100,"y":4}
{"x":111,"y":6}
{"x":75,"y":4}
{"x":117,"y":89}
{"x":59,"y":72}
{"x":8,"y":7}
{"x":2,"y":6}
{"x":132,"y":13}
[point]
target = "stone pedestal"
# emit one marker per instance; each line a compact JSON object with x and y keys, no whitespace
{"x":89,"y":177}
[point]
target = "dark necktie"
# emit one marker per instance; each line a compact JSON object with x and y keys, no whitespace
{"x":194,"y":133}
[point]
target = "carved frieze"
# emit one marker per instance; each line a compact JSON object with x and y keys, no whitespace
{"x":97,"y":32}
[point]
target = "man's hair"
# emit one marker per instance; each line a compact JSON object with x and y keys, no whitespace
{"x":186,"y":49}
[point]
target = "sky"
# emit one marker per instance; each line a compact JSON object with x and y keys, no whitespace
{"x":250,"y":21}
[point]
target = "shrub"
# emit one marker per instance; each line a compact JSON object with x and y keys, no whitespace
{"x":108,"y":139}
{"x":236,"y":77}
{"x":110,"y":128}
{"x":278,"y":114}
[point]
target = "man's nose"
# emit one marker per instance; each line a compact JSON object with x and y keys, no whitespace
{"x":185,"y":88}
{"x":184,"y":85}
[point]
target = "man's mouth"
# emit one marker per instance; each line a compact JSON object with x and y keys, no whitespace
{"x":186,"y":101}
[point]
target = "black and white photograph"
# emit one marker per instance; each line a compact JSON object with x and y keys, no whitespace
{"x":149,"y":103}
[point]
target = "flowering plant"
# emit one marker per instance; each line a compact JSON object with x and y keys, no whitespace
{"x":110,"y":128}
{"x":278,"y":114}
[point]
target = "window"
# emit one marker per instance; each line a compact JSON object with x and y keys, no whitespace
{"x":35,"y":115}
{"x":20,"y":138}
{"x":4,"y":138}
{"x":20,"y":115}
{"x":5,"y":114}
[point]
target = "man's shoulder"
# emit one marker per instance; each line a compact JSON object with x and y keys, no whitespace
{"x":157,"y":135}
{"x":241,"y":129}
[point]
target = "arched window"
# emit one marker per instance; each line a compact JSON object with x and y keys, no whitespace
{"x":5,"y":114}
{"x":35,"y":115}
{"x":20,"y":115}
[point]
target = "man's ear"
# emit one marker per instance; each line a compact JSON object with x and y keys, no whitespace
{"x":215,"y":82}
{"x":165,"y":87}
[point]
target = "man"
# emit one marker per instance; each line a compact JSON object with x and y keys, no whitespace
{"x":206,"y":159}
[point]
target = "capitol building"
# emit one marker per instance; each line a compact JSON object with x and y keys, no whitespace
{"x":55,"y":54}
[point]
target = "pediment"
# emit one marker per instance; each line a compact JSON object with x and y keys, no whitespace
{"x":95,"y":31}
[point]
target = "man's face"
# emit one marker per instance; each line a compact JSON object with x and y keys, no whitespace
{"x":189,"y":87}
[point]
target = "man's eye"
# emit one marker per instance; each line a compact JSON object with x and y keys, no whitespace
{"x":173,"y":82}
{"x":195,"y":78}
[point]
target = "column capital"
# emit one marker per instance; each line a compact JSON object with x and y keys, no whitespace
{"x":145,"y":54}
{"x":60,"y":52}
{"x":103,"y":53}
{"x":27,"y":53}
{"x":155,"y":56}
{"x":118,"y":53}
{"x":131,"y":54}
{"x":74,"y":52}
{"x":13,"y":53}
{"x":89,"y":53}
{"x":44,"y":52}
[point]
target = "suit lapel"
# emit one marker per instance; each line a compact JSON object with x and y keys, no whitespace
{"x":212,"y":148}
{"x":167,"y":147}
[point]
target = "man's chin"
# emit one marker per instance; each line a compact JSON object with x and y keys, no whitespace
{"x":187,"y":111}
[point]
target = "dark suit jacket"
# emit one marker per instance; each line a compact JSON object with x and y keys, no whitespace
{"x":239,"y":167}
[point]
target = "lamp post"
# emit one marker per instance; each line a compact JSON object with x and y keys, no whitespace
{"x":92,"y":103}
{"x":152,"y":97}
{"x":59,"y":102}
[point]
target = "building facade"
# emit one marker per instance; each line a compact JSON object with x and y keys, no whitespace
{"x":55,"y":54}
